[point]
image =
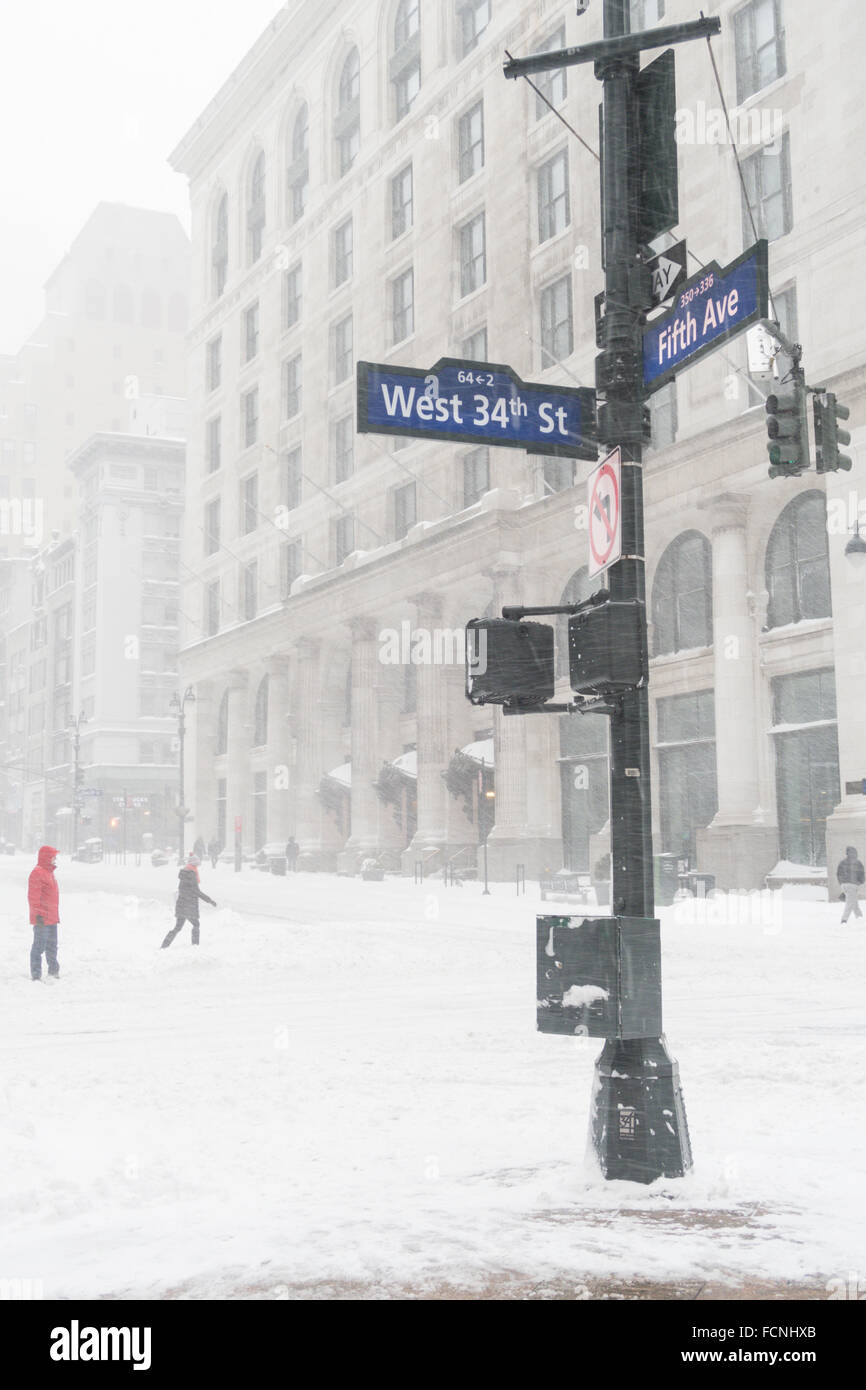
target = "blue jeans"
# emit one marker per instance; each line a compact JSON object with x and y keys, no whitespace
{"x":44,"y":939}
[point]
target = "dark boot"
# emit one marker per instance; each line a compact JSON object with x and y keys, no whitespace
{"x":171,"y":935}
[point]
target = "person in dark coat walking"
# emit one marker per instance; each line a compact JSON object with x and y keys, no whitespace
{"x":292,"y":851}
{"x":43,"y":898}
{"x":850,"y":875}
{"x":186,"y":907}
{"x":213,"y":850}
{"x":199,"y":849}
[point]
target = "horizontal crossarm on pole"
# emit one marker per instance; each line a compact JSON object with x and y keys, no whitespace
{"x":622,"y":47}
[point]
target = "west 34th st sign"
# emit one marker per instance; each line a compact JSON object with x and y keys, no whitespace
{"x":711,"y":307}
{"x":475,"y":403}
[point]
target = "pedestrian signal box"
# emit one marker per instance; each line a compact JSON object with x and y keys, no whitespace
{"x":509,"y":662}
{"x":607,"y":648}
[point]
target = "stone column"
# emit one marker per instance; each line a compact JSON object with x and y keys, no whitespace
{"x":279,"y":797}
{"x":199,"y":750}
{"x":506,"y":845}
{"x":433,"y":750}
{"x":389,"y":709}
{"x":738,"y":847}
{"x":846,"y":501}
{"x":238,"y":761}
{"x":307,"y":807}
{"x":363,"y":841}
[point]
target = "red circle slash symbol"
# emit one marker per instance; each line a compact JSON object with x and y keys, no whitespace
{"x":604,"y":508}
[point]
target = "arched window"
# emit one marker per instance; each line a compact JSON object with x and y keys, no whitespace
{"x":406,"y":59}
{"x":220,"y":246}
{"x":798,"y":565}
{"x":94,"y":300}
{"x":260,"y":722}
{"x":682,"y":600}
{"x":298,"y":171}
{"x":222,"y":730}
{"x":151,"y":309}
{"x":256,"y":208}
{"x":123,"y":305}
{"x":347,"y":125}
{"x":578,"y":588}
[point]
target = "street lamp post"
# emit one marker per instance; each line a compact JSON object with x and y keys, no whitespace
{"x":178,"y":703}
{"x":74,"y":726}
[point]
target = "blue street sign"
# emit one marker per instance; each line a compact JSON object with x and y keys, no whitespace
{"x":476,"y":403}
{"x":711,"y":307}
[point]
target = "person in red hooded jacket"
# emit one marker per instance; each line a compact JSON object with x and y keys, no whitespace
{"x":43,"y":896}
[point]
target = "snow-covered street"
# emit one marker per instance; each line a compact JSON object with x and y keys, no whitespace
{"x":343,"y":1085}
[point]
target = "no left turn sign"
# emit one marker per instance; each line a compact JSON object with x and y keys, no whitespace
{"x":605,"y":513}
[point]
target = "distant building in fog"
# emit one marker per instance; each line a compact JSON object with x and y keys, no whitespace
{"x":109,"y":352}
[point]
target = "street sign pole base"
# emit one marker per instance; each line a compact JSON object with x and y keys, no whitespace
{"x":638,"y":1124}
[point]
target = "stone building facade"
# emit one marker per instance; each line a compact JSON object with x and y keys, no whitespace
{"x":367,"y":186}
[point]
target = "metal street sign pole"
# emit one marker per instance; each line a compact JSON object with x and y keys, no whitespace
{"x":636,"y":1077}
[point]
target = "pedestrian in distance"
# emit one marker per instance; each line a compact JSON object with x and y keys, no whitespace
{"x":43,"y":897}
{"x":213,"y":850}
{"x":186,"y":908}
{"x":850,"y":875}
{"x":199,"y":849}
{"x":292,"y":851}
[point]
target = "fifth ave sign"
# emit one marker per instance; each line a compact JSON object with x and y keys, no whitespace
{"x":710,"y":308}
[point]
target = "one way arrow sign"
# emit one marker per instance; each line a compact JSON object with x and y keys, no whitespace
{"x":667,"y":270}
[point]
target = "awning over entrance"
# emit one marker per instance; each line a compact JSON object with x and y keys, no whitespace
{"x":480,"y":752}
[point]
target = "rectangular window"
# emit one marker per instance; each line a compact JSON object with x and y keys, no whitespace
{"x":401,"y":202}
{"x":553,"y":84}
{"x":342,"y":349}
{"x":212,"y":608}
{"x":557,"y":475}
{"x":557,"y":333}
{"x":644,"y":14}
{"x":292,"y":296}
{"x":663,"y":415}
{"x":470,"y":141}
{"x":807,"y":763}
{"x":213,"y":444}
{"x":250,"y":414}
{"x":805,"y":698}
{"x":251,"y":331}
{"x":249,"y":504}
{"x":474,"y":17}
{"x":214,"y":371}
{"x":293,"y":478}
{"x":687,"y":769}
{"x":476,"y":475}
{"x":473,"y":255}
{"x":212,"y":527}
{"x":249,"y":590}
{"x":343,"y":252}
{"x":405,"y":509}
{"x":292,"y":387}
{"x":344,"y":448}
{"x":767,"y":177}
{"x":290,"y":566}
{"x":554,"y":212}
{"x":407,"y":85}
{"x":344,"y":538}
{"x":759,"y":42}
{"x":474,"y":348}
{"x":403,"y":306}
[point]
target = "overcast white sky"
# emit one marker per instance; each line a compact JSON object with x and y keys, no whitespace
{"x":94,"y":94}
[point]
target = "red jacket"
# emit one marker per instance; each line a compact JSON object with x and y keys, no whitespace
{"x":43,"y":895}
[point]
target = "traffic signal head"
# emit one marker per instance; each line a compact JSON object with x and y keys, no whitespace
{"x":509,"y":662}
{"x":787,"y":431}
{"x":828,"y":436}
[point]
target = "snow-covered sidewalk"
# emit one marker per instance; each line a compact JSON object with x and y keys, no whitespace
{"x":343,"y":1086}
